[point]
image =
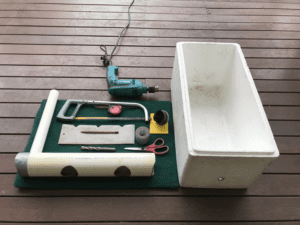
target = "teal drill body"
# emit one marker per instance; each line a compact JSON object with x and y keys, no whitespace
{"x":124,"y":88}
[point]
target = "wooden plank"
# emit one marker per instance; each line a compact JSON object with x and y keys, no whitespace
{"x":256,"y":12}
{"x":274,"y":1}
{"x":29,"y":111}
{"x":17,"y":143}
{"x":273,"y":63}
{"x":59,"y":60}
{"x":287,"y":99}
{"x":126,"y":72}
{"x":101,"y":84}
{"x":33,"y":96}
{"x":165,"y":62}
{"x":277,"y":86}
{"x":169,"y":223}
{"x":148,"y":24}
{"x":284,"y":164}
{"x":112,"y":32}
{"x":290,"y":74}
{"x":201,"y":16}
{"x":209,"y":4}
{"x":138,"y":41}
{"x":282,"y":113}
{"x":36,"y":96}
{"x":103,"y":16}
{"x":109,"y":32}
{"x":254,"y":19}
{"x":105,"y":23}
{"x":76,"y":71}
{"x":257,"y":34}
{"x":22,"y":8}
{"x":83,"y":209}
{"x":198,"y":4}
{"x":265,"y":185}
{"x":249,"y":5}
{"x":285,"y":128}
{"x":65,"y":83}
{"x":24,"y":126}
{"x":95,"y":50}
{"x":16,"y":126}
{"x":13,"y":143}
{"x":7,"y":163}
{"x":111,"y":2}
{"x":255,"y":26}
{"x":288,"y":144}
{"x":134,"y":51}
{"x":58,"y":83}
{"x":18,"y":110}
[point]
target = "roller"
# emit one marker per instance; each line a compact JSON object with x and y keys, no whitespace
{"x":142,"y":135}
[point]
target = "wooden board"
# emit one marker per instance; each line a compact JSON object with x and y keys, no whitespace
{"x":161,"y":33}
{"x":36,"y":96}
{"x":178,"y":25}
{"x":29,"y":111}
{"x":164,"y":62}
{"x":100,"y":84}
{"x":265,"y":185}
{"x":47,"y":44}
{"x":105,"y":16}
{"x":16,"y":143}
{"x":178,"y":209}
{"x":138,"y":41}
{"x":22,"y":8}
{"x":136,"y":51}
{"x":125,"y":72}
{"x":111,"y":2}
{"x":24,"y":126}
{"x":287,"y":99}
{"x":285,"y":164}
{"x":105,"y":32}
{"x":259,"y":12}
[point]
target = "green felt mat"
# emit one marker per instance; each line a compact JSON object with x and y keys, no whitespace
{"x":165,"y":170}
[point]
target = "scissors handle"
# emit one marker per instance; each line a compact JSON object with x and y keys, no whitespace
{"x":155,"y":146}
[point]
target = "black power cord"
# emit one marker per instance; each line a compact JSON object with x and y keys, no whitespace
{"x":104,"y":58}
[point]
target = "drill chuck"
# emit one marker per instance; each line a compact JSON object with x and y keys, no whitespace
{"x":153,"y":89}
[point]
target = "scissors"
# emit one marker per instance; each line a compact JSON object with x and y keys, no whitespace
{"x":152,"y":148}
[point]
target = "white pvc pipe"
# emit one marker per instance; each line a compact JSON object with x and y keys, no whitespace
{"x":91,"y":164}
{"x":42,"y":131}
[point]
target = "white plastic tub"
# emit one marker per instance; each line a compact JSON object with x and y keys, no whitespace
{"x":223,"y":138}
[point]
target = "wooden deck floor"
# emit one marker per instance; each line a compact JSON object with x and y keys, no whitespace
{"x":46,"y":44}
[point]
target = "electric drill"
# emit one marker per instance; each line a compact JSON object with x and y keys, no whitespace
{"x":126,"y":88}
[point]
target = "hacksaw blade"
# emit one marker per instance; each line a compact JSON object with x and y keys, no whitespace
{"x":71,"y":135}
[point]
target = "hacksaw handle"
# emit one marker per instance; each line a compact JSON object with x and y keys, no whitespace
{"x":62,"y":113}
